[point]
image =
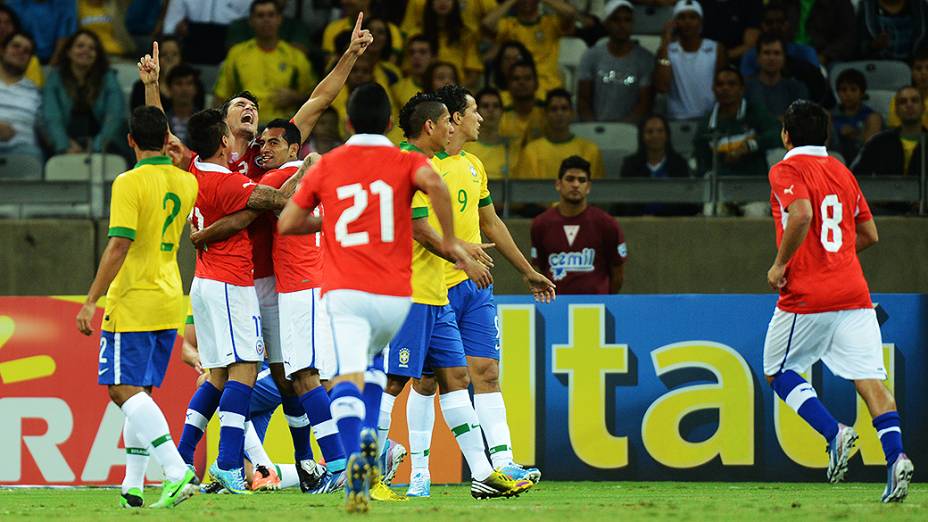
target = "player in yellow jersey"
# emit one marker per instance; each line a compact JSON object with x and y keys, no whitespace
{"x":474,"y":307}
{"x":144,"y":303}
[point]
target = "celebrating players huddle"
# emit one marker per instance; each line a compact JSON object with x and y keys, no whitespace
{"x":348,"y":275}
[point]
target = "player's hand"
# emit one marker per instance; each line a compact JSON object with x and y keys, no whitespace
{"x":360,"y":38}
{"x":149,"y":66}
{"x":196,"y":237}
{"x":776,"y":276}
{"x":542,"y":289}
{"x":191,"y":357}
{"x":476,"y":271}
{"x":178,"y":152}
{"x":84,"y":316}
{"x":478,"y":252}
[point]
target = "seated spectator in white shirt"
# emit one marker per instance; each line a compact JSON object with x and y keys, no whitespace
{"x":20,"y":99}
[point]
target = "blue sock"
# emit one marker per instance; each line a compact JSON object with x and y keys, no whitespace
{"x":319,"y":410}
{"x":375,"y":380}
{"x":801,"y":397}
{"x":348,"y":414}
{"x":202,"y":406}
{"x":299,"y":427}
{"x":233,"y":411}
{"x":888,"y":428}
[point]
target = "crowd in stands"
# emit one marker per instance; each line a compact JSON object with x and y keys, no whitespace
{"x":725,"y":69}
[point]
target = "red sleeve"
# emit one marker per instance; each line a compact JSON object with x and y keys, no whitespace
{"x":862,"y":213}
{"x":306,"y":194}
{"x":274,"y":178}
{"x":787,"y":185}
{"x":233,"y":192}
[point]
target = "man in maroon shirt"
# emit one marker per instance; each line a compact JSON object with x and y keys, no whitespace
{"x":581,"y":248}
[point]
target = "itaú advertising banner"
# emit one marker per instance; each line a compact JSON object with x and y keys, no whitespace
{"x":672,"y":388}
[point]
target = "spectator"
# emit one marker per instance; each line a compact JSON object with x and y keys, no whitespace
{"x":732,"y":23}
{"x":382,"y":45}
{"x":50,"y":23}
{"x":853,"y":122}
{"x":539,"y":33}
{"x":685,"y":67}
{"x":498,"y":153}
{"x":438,"y":75}
{"x":325,"y":136}
{"x":472,"y":12}
{"x":143,"y":21}
{"x":897,"y":151}
{"x":456,"y":44}
{"x":919,"y":81}
{"x":20,"y":100}
{"x":384,"y":73}
{"x":776,"y":22}
{"x":615,"y":76}
{"x":419,"y":55}
{"x":170,"y":56}
{"x":542,"y":157}
{"x":770,"y":88}
{"x":351,"y":8}
{"x":292,"y":31}
{"x":9,"y":24}
{"x":580,"y":247}
{"x":364,"y":71}
{"x":203,"y":25}
{"x":106,"y":18}
{"x":591,"y":14}
{"x":524,"y":119}
{"x":276,"y":72}
{"x":829,"y":26}
{"x":891,"y":29}
{"x":509,"y":53}
{"x":83,"y":106}
{"x":185,"y":89}
{"x":738,"y":131}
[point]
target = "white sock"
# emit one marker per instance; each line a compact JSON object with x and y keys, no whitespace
{"x":420,"y":415}
{"x":491,"y":410}
{"x":146,"y":419}
{"x":254,"y":449}
{"x":462,"y":421}
{"x":383,"y":422}
{"x":289,"y":478}
{"x":136,"y":458}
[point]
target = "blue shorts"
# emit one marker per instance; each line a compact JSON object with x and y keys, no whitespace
{"x":475,"y":310}
{"x":135,"y":358}
{"x":265,"y":398}
{"x":428,"y":339}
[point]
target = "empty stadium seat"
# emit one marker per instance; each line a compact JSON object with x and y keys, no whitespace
{"x":650,"y":19}
{"x":879,"y":101}
{"x":682,"y":133}
{"x":615,"y":142}
{"x":78,"y":167}
{"x":126,"y":74}
{"x":20,"y":166}
{"x":886,"y":75}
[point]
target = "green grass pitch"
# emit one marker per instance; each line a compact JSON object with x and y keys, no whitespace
{"x":555,"y":501}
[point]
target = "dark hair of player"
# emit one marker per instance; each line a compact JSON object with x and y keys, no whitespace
{"x":559,"y":92}
{"x":369,"y":109}
{"x":853,"y":77}
{"x":291,"y":131}
{"x":17,"y":32}
{"x":423,"y":39}
{"x":452,"y":26}
{"x":419,"y":109}
{"x":523,"y":63}
{"x":148,"y":127}
{"x":488,"y":91}
{"x":256,"y":3}
{"x":454,"y":97}
{"x":807,"y":123}
{"x":248,"y":95}
{"x":769,"y":38}
{"x":573,"y":162}
{"x":729,"y":70}
{"x":205,"y":130}
{"x":181,"y":71}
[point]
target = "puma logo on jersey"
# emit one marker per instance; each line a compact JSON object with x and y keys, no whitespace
{"x":789,"y":189}
{"x":563,"y":262}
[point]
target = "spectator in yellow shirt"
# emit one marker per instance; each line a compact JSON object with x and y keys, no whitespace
{"x":456,"y":44}
{"x":920,"y":82}
{"x":107,"y":20}
{"x":539,"y":33}
{"x":542,"y":157}
{"x":508,"y":54}
{"x":472,"y":12}
{"x":275,"y":71}
{"x":417,"y":58}
{"x":524,"y":119}
{"x":497,"y":152}
{"x":438,"y":75}
{"x":351,"y":8}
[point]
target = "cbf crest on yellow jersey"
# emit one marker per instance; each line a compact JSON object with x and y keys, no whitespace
{"x":150,"y":204}
{"x":467,"y":184}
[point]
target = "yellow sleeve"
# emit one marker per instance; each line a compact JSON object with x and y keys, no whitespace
{"x":412,"y":20}
{"x":525,"y":167}
{"x":420,"y":205}
{"x":225,"y":81}
{"x":34,"y":72}
{"x":555,"y":29}
{"x":893,"y":120}
{"x":596,"y":161}
{"x":504,"y":29}
{"x":485,"y":198}
{"x":124,"y":208}
{"x":397,"y":38}
{"x":471,"y":60}
{"x":328,"y":36}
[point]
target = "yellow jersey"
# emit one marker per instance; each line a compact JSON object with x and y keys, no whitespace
{"x":467,"y":184}
{"x":149,"y":205}
{"x":894,"y":121}
{"x":34,"y":72}
{"x":472,"y":13}
{"x":404,"y":90}
{"x":523,"y":129}
{"x":341,"y":25}
{"x":498,"y":158}
{"x":464,"y":54}
{"x":543,"y":39}
{"x":541,"y":158}
{"x":428,"y":282}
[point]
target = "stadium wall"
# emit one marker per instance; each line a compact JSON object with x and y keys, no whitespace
{"x":667,"y":255}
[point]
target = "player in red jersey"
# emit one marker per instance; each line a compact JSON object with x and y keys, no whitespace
{"x":824,"y":311}
{"x":365,"y":188}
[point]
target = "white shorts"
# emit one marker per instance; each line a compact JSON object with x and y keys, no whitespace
{"x":362,"y":325}
{"x":228,"y":320}
{"x":266,"y":288}
{"x":847,"y":341}
{"x":305,"y":333}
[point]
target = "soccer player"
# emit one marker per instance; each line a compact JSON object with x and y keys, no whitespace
{"x":824,"y":310}
{"x":365,"y":188}
{"x":144,"y":304}
{"x":474,"y":308}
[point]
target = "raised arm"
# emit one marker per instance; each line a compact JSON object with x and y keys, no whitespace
{"x":491,"y":20}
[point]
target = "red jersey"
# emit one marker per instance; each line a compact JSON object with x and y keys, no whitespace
{"x":260,"y":229}
{"x":824,"y":274}
{"x":247,"y":164}
{"x":222,"y":192}
{"x":578,"y":252}
{"x":366,"y":187}
{"x":297,"y":259}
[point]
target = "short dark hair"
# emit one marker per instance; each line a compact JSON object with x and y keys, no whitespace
{"x":248,"y":95}
{"x":256,"y":3}
{"x":18,"y":32}
{"x":522,"y":63}
{"x":183,"y":70}
{"x":421,"y":38}
{"x":148,"y":127}
{"x":369,"y":109}
{"x":769,"y":38}
{"x":559,"y":92}
{"x":488,"y":91}
{"x":807,"y":123}
{"x":729,"y":69}
{"x":291,"y":131}
{"x":205,"y":130}
{"x":853,"y":77}
{"x":573,"y":162}
{"x":430,"y":73}
{"x":454,"y":97}
{"x":419,"y":109}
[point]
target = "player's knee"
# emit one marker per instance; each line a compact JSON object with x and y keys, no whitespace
{"x":120,"y":394}
{"x":484,"y":373}
{"x":304,"y":381}
{"x":395,"y":384}
{"x":454,"y":379}
{"x":425,"y":386}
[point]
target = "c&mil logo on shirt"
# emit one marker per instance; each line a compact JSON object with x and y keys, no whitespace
{"x":563,"y":262}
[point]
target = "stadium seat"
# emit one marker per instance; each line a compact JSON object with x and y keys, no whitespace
{"x":775,"y":155}
{"x":650,"y":19}
{"x":879,"y":100}
{"x":886,"y":75}
{"x":126,"y":74}
{"x":682,"y":133}
{"x":615,"y":142}
{"x":78,"y":167}
{"x":571,"y":51}
{"x":20,"y":166}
